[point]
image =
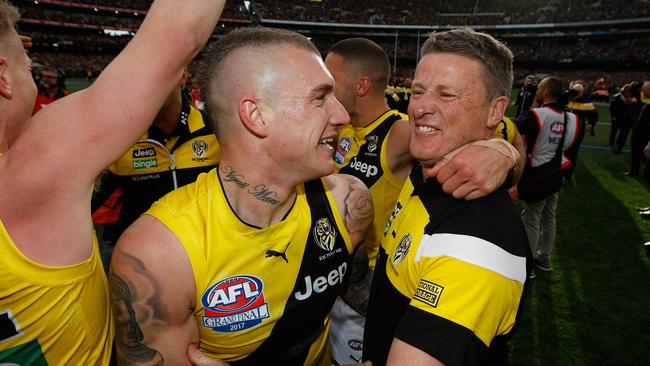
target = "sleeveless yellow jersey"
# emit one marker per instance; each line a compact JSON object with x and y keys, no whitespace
{"x":362,"y":153}
{"x":263,"y":295}
{"x":52,"y":315}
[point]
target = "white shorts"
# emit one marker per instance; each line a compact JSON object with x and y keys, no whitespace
{"x":346,"y":333}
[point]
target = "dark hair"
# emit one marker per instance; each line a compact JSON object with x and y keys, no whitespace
{"x":218,"y":51}
{"x":553,"y":86}
{"x":368,"y":54}
{"x":494,"y":56}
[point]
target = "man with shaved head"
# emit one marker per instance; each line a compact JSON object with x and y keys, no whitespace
{"x":248,"y":261}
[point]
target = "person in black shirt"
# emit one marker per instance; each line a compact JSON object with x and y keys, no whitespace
{"x":526,"y":95}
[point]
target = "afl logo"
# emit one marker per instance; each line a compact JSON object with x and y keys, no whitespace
{"x":402,"y":248}
{"x":324,"y":234}
{"x":355,"y":344}
{"x":372,"y":142}
{"x":200,"y":148}
{"x":343,"y":149}
{"x":233,"y":304}
{"x":557,"y":127}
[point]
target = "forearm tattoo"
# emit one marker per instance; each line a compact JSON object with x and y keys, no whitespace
{"x":129,"y":336}
{"x":259,"y":191}
{"x":356,"y":289}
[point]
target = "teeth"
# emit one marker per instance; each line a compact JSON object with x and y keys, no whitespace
{"x":327,"y":142}
{"x":425,"y":128}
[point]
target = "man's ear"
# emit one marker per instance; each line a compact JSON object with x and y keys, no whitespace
{"x":497,"y":110}
{"x":5,"y":85}
{"x":363,"y":86}
{"x":250,"y":115}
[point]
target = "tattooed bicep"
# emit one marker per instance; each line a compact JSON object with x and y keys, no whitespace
{"x":358,"y":209}
{"x":126,"y":301}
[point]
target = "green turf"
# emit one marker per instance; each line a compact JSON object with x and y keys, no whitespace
{"x":76,"y":84}
{"x":593,"y":308}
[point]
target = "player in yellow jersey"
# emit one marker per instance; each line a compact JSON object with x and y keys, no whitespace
{"x":450,"y":274}
{"x":374,"y":147}
{"x":248,"y":260}
{"x":54,"y":305}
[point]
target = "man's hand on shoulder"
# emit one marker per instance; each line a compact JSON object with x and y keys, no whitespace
{"x":474,"y":170}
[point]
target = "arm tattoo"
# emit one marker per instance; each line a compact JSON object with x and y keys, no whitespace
{"x":259,"y":191}
{"x":359,"y":210}
{"x":128,"y":341}
{"x":356,"y":289}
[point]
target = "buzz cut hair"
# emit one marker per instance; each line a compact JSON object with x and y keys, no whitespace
{"x":217,"y":52}
{"x":370,"y":56}
{"x":495,"y":57}
{"x":553,"y":86}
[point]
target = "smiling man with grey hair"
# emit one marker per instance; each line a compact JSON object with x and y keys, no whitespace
{"x":450,"y":275}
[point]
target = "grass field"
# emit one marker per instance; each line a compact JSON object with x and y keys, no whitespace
{"x":593,"y":308}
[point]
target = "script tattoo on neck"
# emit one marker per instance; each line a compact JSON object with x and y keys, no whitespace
{"x":230,"y":175}
{"x":260,"y":191}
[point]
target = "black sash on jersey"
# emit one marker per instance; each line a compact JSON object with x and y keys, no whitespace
{"x":370,"y":152}
{"x":303,"y":320}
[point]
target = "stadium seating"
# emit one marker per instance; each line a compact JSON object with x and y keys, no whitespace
{"x":544,"y":35}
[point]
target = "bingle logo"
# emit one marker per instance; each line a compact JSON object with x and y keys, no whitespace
{"x":144,"y":153}
{"x":320,"y":284}
{"x":145,"y":164}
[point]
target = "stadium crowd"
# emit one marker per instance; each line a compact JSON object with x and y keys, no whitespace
{"x":286,"y":182}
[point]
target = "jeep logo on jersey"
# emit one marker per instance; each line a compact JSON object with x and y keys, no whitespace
{"x":200,"y":148}
{"x":322,"y":283}
{"x":402,"y":248}
{"x":324,"y":234}
{"x":144,"y":153}
{"x":233,"y":304}
{"x":372,"y":142}
{"x":366,"y":169}
{"x":343,"y":149}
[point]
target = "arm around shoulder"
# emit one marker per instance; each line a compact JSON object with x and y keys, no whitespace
{"x":398,"y":154}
